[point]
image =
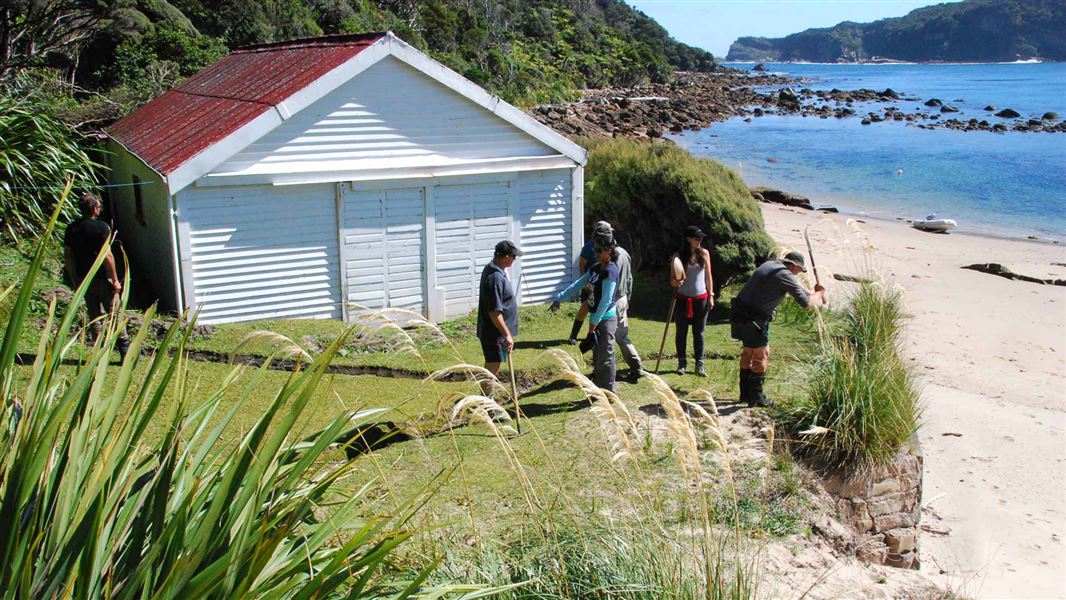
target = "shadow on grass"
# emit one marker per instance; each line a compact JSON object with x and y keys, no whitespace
{"x":376,"y":436}
{"x":733,"y":406}
{"x":539,"y":345}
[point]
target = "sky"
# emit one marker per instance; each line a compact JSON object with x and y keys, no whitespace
{"x":715,"y":24}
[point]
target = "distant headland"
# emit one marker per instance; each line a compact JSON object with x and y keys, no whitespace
{"x":968,"y":31}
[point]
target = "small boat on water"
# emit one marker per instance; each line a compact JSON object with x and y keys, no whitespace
{"x":933,"y":224}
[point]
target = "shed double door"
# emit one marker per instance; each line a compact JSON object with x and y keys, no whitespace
{"x":384,"y":240}
{"x":469,"y":219}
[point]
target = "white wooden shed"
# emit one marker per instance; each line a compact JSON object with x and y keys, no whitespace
{"x":300,"y":178}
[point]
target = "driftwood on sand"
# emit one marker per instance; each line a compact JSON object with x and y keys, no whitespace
{"x":1000,"y":270}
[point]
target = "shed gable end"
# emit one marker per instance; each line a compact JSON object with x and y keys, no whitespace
{"x":389,"y":116}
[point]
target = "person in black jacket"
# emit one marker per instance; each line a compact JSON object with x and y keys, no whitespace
{"x":82,"y":243}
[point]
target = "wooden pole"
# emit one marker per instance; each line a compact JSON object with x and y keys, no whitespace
{"x":810,"y":252}
{"x":662,"y":343}
{"x":677,"y":272}
{"x":514,"y":394}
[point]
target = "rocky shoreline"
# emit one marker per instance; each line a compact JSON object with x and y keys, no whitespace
{"x":692,"y":101}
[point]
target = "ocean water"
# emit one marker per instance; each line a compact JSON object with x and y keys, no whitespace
{"x":1011,"y":184}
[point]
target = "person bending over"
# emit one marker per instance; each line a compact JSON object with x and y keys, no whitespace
{"x":584,"y":261}
{"x":752,"y":311}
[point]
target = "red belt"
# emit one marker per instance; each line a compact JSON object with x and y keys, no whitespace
{"x":688,"y":302}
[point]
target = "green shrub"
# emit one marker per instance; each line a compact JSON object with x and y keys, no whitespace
{"x":651,"y":191}
{"x":862,"y":406}
{"x":38,"y":154}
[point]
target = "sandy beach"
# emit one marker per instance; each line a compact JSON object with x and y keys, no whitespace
{"x":990,"y":355}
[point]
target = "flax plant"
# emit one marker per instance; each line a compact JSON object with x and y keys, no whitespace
{"x":94,"y":503}
{"x":38,"y":153}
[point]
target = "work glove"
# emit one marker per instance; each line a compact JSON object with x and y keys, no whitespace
{"x":588,"y":343}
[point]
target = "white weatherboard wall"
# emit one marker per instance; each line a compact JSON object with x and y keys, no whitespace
{"x":260,"y":252}
{"x":387,"y":117}
{"x":545,"y":214}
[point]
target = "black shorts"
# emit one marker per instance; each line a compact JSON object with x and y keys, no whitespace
{"x":492,"y":348}
{"x":752,"y":334}
{"x":583,"y":297}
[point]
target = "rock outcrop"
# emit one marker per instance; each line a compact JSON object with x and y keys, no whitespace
{"x":884,"y":508}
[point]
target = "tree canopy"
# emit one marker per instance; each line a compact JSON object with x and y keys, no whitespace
{"x":526,"y":51}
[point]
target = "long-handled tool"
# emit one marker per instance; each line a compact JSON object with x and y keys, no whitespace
{"x":662,"y":343}
{"x":514,"y":395}
{"x":810,"y":252}
{"x":678,"y":272}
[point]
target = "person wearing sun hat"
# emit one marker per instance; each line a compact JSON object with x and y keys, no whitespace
{"x":497,"y":308}
{"x":695,"y":297}
{"x":754,"y":308}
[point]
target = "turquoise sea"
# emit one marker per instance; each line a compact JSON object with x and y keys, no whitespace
{"x":1010,"y":184}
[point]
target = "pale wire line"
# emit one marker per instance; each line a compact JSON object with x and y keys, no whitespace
{"x":93,"y":187}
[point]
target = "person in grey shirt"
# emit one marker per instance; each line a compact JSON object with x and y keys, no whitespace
{"x":622,"y":296}
{"x":754,"y":308}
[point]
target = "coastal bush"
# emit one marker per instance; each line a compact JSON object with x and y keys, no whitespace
{"x":862,"y":406}
{"x":526,"y":52}
{"x":114,"y":482}
{"x":38,"y":154}
{"x":651,"y":191}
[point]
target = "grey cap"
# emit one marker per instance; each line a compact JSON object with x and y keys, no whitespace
{"x":507,"y":248}
{"x":602,"y":227}
{"x":795,"y":258}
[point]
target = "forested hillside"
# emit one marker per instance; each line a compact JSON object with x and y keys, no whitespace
{"x":116,"y":55}
{"x":968,"y":31}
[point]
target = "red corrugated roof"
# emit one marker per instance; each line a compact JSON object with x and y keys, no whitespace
{"x":204,"y":109}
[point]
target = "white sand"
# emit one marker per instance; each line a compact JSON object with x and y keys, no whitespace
{"x":990,"y":354}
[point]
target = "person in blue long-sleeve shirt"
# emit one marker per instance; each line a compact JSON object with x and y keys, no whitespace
{"x":603,"y":320}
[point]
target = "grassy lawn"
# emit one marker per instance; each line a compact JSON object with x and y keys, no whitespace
{"x":539,"y":331}
{"x":561,"y":474}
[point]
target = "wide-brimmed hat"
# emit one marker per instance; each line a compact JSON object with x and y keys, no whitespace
{"x":795,"y":258}
{"x":507,"y":248}
{"x":693,"y":231}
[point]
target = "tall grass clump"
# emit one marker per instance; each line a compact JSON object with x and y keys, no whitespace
{"x":644,"y":536}
{"x":626,"y":181}
{"x":862,"y":406}
{"x":115,"y":482}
